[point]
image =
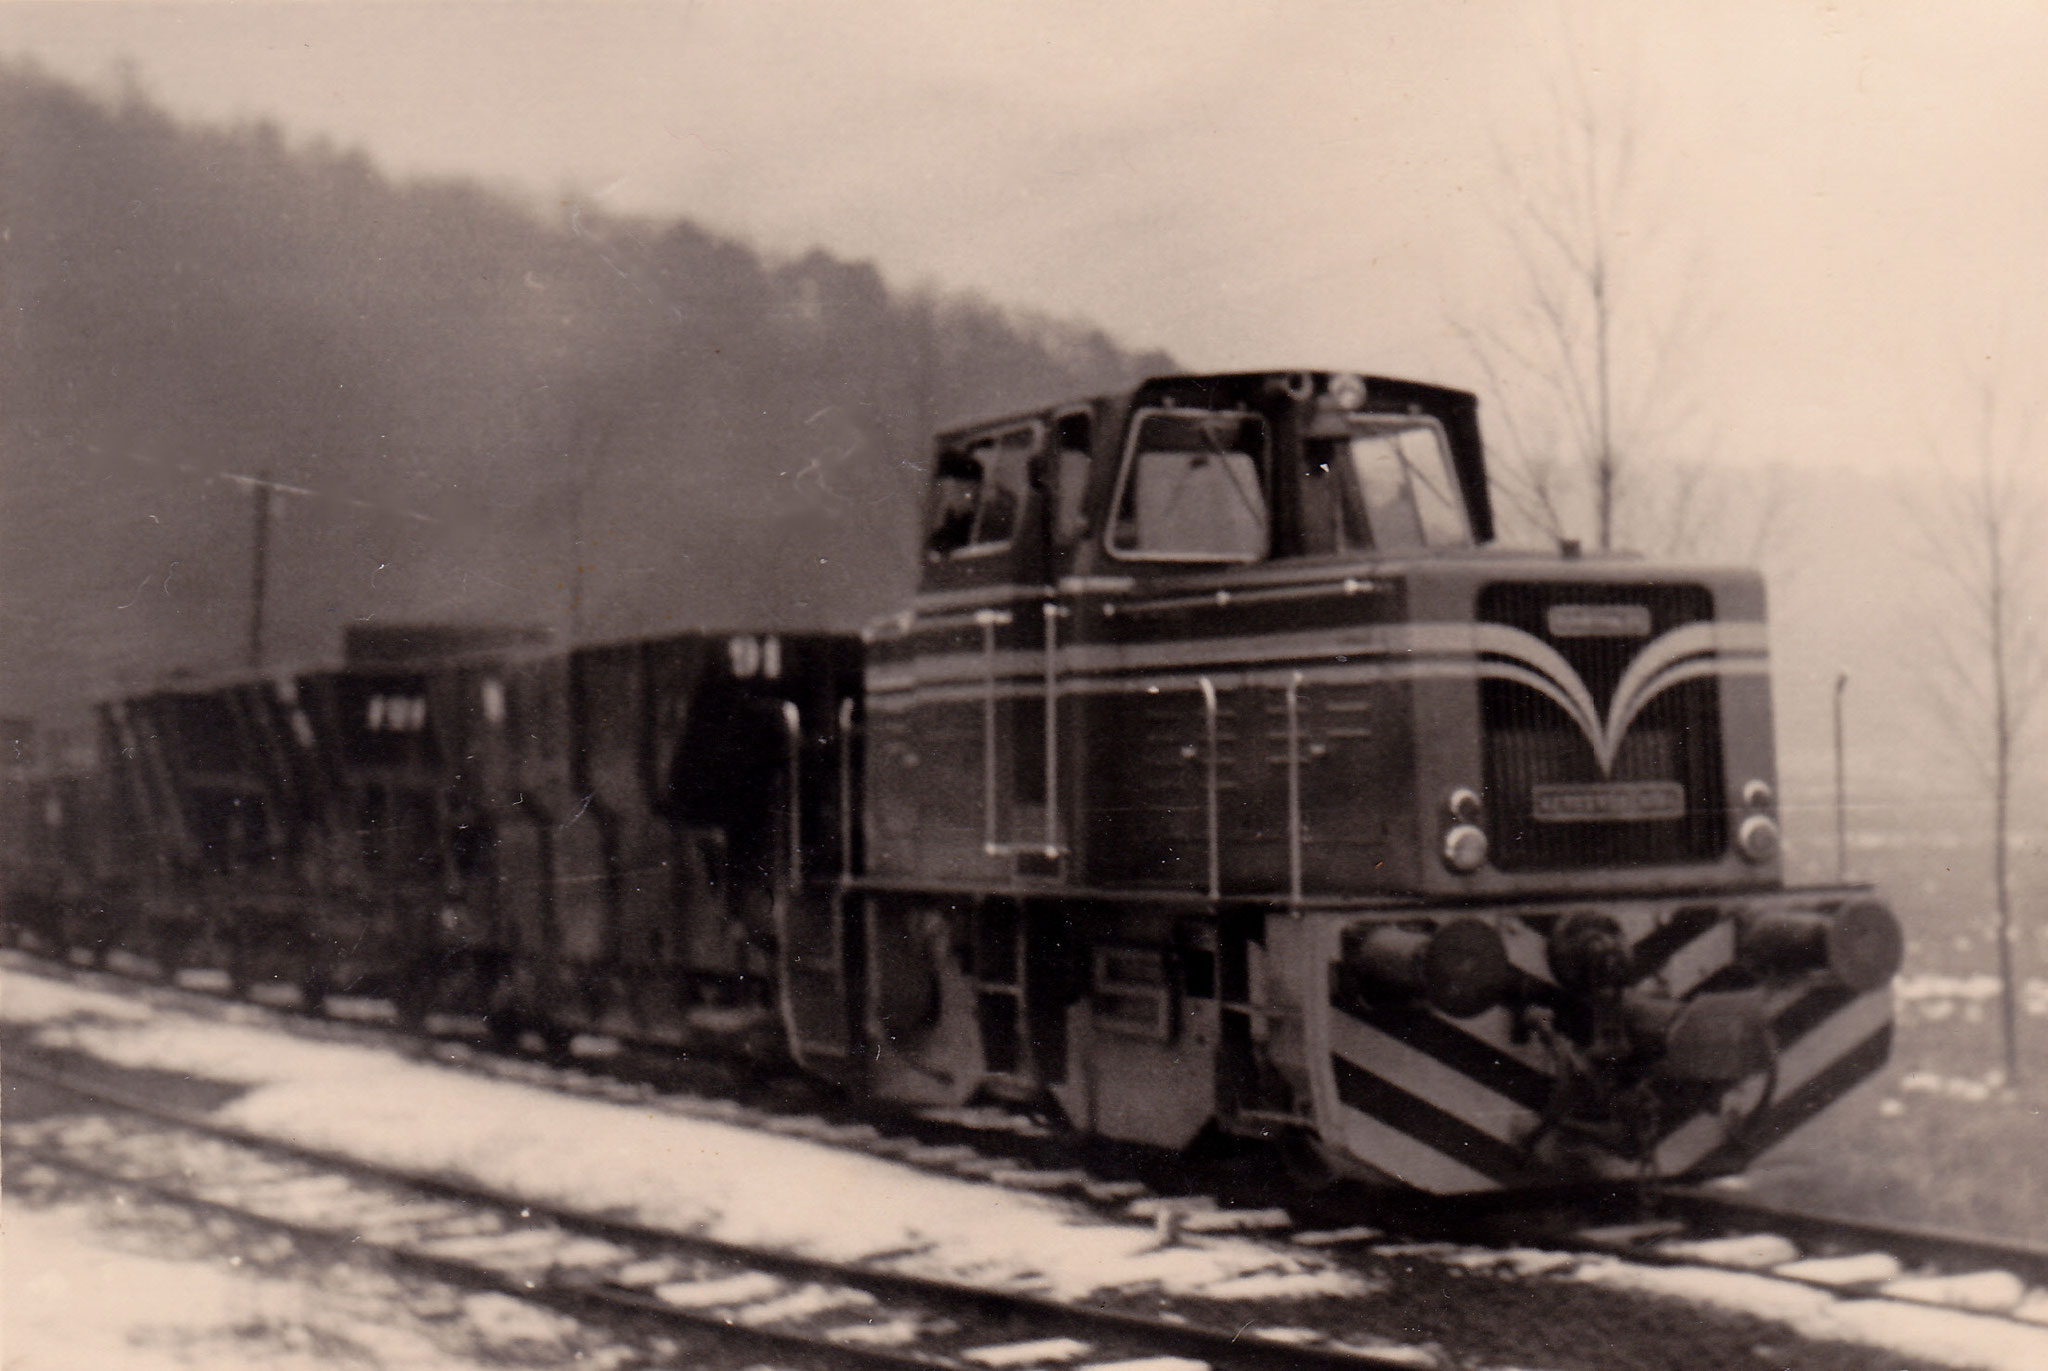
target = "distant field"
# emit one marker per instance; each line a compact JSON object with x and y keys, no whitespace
{"x":1939,"y":1137}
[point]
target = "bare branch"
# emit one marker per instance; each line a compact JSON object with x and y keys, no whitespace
{"x":1584,"y":354}
{"x":1987,"y":663}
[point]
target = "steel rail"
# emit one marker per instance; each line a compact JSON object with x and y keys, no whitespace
{"x":590,"y":1303}
{"x":1947,"y":1248}
{"x":1221,"y":1347}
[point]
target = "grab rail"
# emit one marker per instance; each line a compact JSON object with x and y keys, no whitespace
{"x":1294,"y":790}
{"x":1209,"y":737}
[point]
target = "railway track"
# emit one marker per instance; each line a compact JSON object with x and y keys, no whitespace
{"x":1847,"y":1255}
{"x":615,"y":1273}
{"x":1696,"y":1227}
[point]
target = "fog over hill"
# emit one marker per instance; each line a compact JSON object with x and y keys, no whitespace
{"x":472,"y":411}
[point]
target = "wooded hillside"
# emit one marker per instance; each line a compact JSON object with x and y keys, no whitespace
{"x":468,"y":398}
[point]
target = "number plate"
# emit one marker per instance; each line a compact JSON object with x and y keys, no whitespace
{"x":1598,"y":621}
{"x":1609,"y":802}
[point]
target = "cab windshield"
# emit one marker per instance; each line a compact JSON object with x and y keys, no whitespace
{"x":1387,"y":485}
{"x":1193,"y":489}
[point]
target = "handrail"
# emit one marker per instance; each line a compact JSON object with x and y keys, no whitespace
{"x":992,"y":841}
{"x":1209,"y":733}
{"x":1294,"y":791}
{"x":1053,"y":614}
{"x":793,"y":730}
{"x":988,"y":619}
{"x":846,"y":788}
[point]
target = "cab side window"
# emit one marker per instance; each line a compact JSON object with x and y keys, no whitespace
{"x":978,"y":494}
{"x":1073,"y":438}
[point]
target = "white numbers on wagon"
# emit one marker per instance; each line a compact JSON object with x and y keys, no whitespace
{"x":752,"y":656}
{"x":396,"y":713}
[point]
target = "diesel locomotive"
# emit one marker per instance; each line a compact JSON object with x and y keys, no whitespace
{"x":1223,"y":777}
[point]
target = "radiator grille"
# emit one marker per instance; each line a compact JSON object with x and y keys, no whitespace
{"x":1531,"y":742}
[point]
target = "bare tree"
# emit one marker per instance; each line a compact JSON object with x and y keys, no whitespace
{"x":1985,"y":532}
{"x":1583,"y":347}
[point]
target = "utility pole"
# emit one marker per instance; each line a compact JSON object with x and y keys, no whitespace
{"x":1841,"y":789}
{"x":259,"y":569}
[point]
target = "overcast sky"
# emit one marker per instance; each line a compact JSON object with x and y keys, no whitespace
{"x":1859,"y":191}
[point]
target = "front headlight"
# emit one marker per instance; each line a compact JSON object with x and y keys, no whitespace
{"x":1757,"y":838}
{"x":1465,"y":848}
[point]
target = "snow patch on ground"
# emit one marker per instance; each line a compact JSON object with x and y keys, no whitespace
{"x":735,"y":1184}
{"x":76,"y":1301}
{"x":1937,"y":1335}
{"x":1933,"y":996}
{"x":32,"y":999}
